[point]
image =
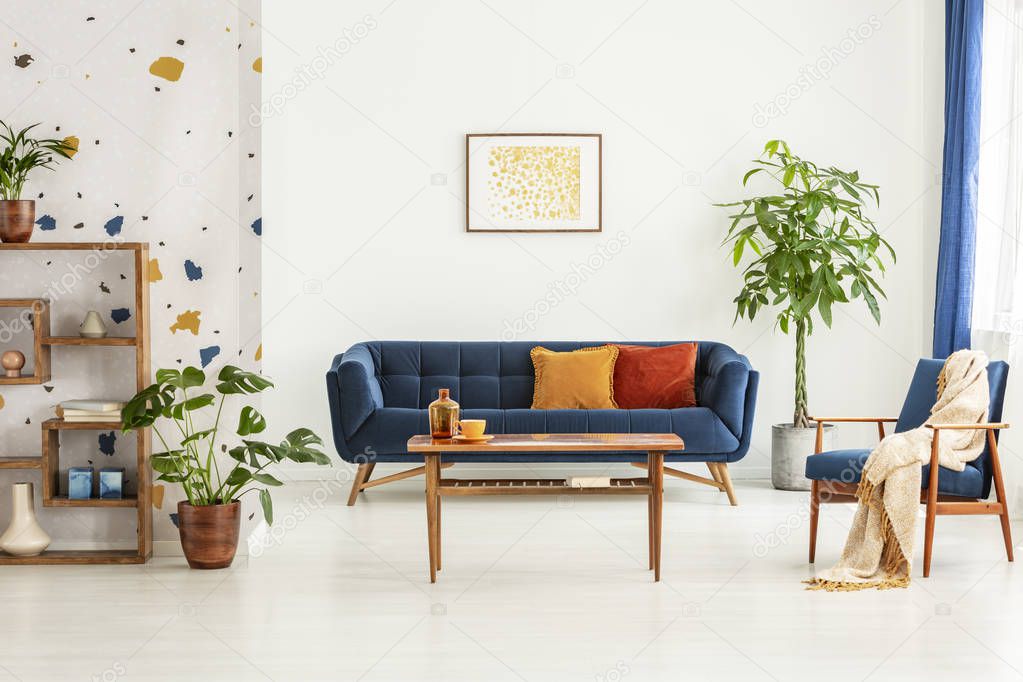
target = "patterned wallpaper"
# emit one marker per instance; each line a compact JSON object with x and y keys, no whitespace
{"x":155,"y":94}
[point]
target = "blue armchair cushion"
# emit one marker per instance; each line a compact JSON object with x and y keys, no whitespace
{"x":846,"y":466}
{"x":379,"y":391}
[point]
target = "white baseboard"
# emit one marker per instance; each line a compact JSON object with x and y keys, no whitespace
{"x":167,"y":548}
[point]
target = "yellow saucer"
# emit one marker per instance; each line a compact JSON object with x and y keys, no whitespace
{"x":478,"y":439}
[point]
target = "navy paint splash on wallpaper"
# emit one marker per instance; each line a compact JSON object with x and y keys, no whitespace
{"x":192,"y":271}
{"x":106,"y":443}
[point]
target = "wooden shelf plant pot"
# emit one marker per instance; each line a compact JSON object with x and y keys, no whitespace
{"x":17,"y":218}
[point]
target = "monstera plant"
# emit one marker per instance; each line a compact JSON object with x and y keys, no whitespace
{"x":209,"y":521}
{"x":804,"y":248}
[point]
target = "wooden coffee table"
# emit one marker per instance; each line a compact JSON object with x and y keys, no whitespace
{"x":654,"y":445}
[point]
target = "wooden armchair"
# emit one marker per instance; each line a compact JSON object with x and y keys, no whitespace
{"x":835,"y":475}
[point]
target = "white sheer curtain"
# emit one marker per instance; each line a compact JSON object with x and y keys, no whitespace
{"x":998,"y":283}
{"x":998,"y":279}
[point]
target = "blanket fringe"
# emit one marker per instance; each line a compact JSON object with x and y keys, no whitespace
{"x":847,"y":586}
{"x":894,"y":564}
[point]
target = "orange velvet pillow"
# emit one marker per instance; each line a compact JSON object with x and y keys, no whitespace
{"x":577,"y":380}
{"x":656,"y":377}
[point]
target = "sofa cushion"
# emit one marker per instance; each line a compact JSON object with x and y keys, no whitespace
{"x":846,"y":466}
{"x":386,"y":432}
{"x":577,"y":380}
{"x":650,"y":377}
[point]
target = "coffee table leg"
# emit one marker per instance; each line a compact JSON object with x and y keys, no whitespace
{"x":432,"y":507}
{"x":655,"y":466}
{"x":650,"y":527}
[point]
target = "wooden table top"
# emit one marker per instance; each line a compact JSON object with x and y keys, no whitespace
{"x":554,"y":442}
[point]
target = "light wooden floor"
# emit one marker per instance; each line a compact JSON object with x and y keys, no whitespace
{"x":531,"y":589}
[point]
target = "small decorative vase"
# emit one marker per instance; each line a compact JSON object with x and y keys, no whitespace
{"x":17,"y":218}
{"x":209,"y":533}
{"x":444,"y":414}
{"x":12,"y":362}
{"x":92,"y":326}
{"x":24,"y":537}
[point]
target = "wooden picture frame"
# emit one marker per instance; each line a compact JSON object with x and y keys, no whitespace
{"x":584,"y":164}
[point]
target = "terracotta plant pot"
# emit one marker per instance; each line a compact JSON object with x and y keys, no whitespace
{"x":17,"y":218}
{"x":209,"y":534}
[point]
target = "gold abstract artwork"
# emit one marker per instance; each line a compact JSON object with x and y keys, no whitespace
{"x":534,"y":183}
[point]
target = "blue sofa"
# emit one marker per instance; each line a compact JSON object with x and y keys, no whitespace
{"x":379,"y":392}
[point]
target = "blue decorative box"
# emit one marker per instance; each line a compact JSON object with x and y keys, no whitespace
{"x":79,"y":483}
{"x":111,"y":483}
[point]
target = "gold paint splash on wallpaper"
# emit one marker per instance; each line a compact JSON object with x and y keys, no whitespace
{"x":158,"y":491}
{"x":188,"y":321}
{"x":154,"y":270}
{"x":534,"y":183}
{"x":71,"y":142}
{"x":167,"y":68}
{"x":257,"y":65}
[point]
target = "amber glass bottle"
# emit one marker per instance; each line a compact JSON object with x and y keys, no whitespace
{"x":443,"y":415}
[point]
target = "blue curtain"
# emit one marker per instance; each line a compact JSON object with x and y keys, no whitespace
{"x":953,"y":305}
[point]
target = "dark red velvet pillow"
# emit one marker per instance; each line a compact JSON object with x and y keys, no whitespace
{"x":655,"y":377}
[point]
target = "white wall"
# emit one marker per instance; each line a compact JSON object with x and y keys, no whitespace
{"x":364,"y":180}
{"x":175,"y":162}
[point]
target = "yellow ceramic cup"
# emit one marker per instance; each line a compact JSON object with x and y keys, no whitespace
{"x":472,"y":428}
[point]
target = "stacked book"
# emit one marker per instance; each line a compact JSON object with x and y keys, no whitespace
{"x":90,"y":410}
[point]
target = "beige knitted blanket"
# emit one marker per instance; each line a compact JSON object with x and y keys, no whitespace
{"x":879,"y":550}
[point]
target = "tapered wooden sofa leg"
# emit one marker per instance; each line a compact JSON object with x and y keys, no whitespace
{"x":726,"y":480}
{"x":361,"y":474}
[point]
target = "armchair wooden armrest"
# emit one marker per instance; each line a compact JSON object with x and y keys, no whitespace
{"x":855,"y":419}
{"x":990,"y":426}
{"x":821,"y":421}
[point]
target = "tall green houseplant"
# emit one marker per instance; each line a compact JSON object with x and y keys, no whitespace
{"x":807,"y":247}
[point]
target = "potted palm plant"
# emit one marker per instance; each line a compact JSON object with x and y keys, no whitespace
{"x":807,"y":247}
{"x":210,"y":519}
{"x":19,"y":155}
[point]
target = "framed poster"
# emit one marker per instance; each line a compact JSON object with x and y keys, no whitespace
{"x":533,"y":182}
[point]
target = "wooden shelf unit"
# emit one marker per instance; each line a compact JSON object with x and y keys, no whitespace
{"x":21,"y":462}
{"x":40,"y":322}
{"x":79,"y":341}
{"x":56,"y":557}
{"x":49,"y":462}
{"x":64,"y":501}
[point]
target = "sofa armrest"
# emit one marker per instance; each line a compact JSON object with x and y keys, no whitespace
{"x":723,"y":387}
{"x":353,"y":389}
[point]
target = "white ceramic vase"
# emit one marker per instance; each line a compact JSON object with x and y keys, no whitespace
{"x":24,"y":537}
{"x":92,"y":326}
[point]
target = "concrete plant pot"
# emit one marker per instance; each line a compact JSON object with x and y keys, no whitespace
{"x":789,"y":449}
